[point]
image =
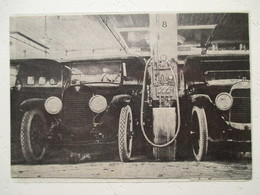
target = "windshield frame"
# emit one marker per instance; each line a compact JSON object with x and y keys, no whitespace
{"x":225,"y":81}
{"x":116,"y":77}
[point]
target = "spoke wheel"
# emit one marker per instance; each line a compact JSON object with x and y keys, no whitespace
{"x":33,"y":129}
{"x":125,"y":134}
{"x":199,"y":133}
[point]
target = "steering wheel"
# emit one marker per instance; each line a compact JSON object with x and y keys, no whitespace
{"x":109,"y":79}
{"x":104,"y":76}
{"x":116,"y":77}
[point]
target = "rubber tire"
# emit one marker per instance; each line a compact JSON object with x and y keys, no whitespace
{"x":125,"y":129}
{"x":25,"y":135}
{"x":199,"y":117}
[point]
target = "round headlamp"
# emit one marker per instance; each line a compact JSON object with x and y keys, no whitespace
{"x":53,"y":105}
{"x":224,"y":101}
{"x":98,"y":103}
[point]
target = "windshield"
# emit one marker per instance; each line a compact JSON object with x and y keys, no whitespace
{"x":224,"y":77}
{"x":96,"y":72}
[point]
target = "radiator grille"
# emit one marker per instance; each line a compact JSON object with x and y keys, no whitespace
{"x":241,"y":111}
{"x":76,"y":112}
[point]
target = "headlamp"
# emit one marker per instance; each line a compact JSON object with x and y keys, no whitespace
{"x":53,"y":105}
{"x":98,"y":103}
{"x":224,"y":101}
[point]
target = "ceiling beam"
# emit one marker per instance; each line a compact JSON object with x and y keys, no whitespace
{"x":113,"y":33}
{"x":132,"y":29}
{"x":28,"y":38}
{"x":208,"y":42}
{"x":194,"y":27}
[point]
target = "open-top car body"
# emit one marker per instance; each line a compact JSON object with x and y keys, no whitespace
{"x":100,"y":107}
{"x":218,"y":89}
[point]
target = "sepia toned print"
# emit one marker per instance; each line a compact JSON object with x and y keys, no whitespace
{"x":131,"y":96}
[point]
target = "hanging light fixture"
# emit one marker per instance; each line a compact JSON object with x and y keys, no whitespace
{"x":46,"y":40}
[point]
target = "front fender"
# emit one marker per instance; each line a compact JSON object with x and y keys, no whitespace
{"x":121,"y":100}
{"x":201,"y":100}
{"x":113,"y":111}
{"x":216,"y":124}
{"x":31,"y":104}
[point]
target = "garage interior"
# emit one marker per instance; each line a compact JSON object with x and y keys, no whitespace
{"x":68,"y":37}
{"x":78,"y":37}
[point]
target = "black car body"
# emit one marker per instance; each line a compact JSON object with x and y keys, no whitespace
{"x":32,"y":80}
{"x":218,"y":93}
{"x":100,"y":107}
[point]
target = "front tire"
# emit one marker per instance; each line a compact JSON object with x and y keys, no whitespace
{"x":33,"y":129}
{"x":199,"y":133}
{"x":125,"y":134}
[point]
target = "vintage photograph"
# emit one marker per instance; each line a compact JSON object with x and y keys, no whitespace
{"x":131,"y":96}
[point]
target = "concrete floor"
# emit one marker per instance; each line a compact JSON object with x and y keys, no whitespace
{"x":239,"y":169}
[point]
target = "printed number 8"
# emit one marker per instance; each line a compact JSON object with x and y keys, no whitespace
{"x":164,"y":24}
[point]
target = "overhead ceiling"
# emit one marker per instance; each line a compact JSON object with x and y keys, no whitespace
{"x":233,"y":27}
{"x":194,"y":19}
{"x":66,"y":36}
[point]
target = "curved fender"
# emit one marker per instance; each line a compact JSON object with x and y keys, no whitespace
{"x":111,"y":115}
{"x":121,"y":100}
{"x":31,"y":104}
{"x":117,"y":103}
{"x":201,"y":100}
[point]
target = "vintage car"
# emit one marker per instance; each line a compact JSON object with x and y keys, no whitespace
{"x":32,"y":80}
{"x":99,"y":108}
{"x":218,"y":93}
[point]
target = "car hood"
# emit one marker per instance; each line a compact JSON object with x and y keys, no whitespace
{"x":214,"y":88}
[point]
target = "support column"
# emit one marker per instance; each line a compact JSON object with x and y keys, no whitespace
{"x":163,"y":36}
{"x":163,"y":46}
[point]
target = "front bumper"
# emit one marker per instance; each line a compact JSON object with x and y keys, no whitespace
{"x":234,"y":135}
{"x":240,"y":126}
